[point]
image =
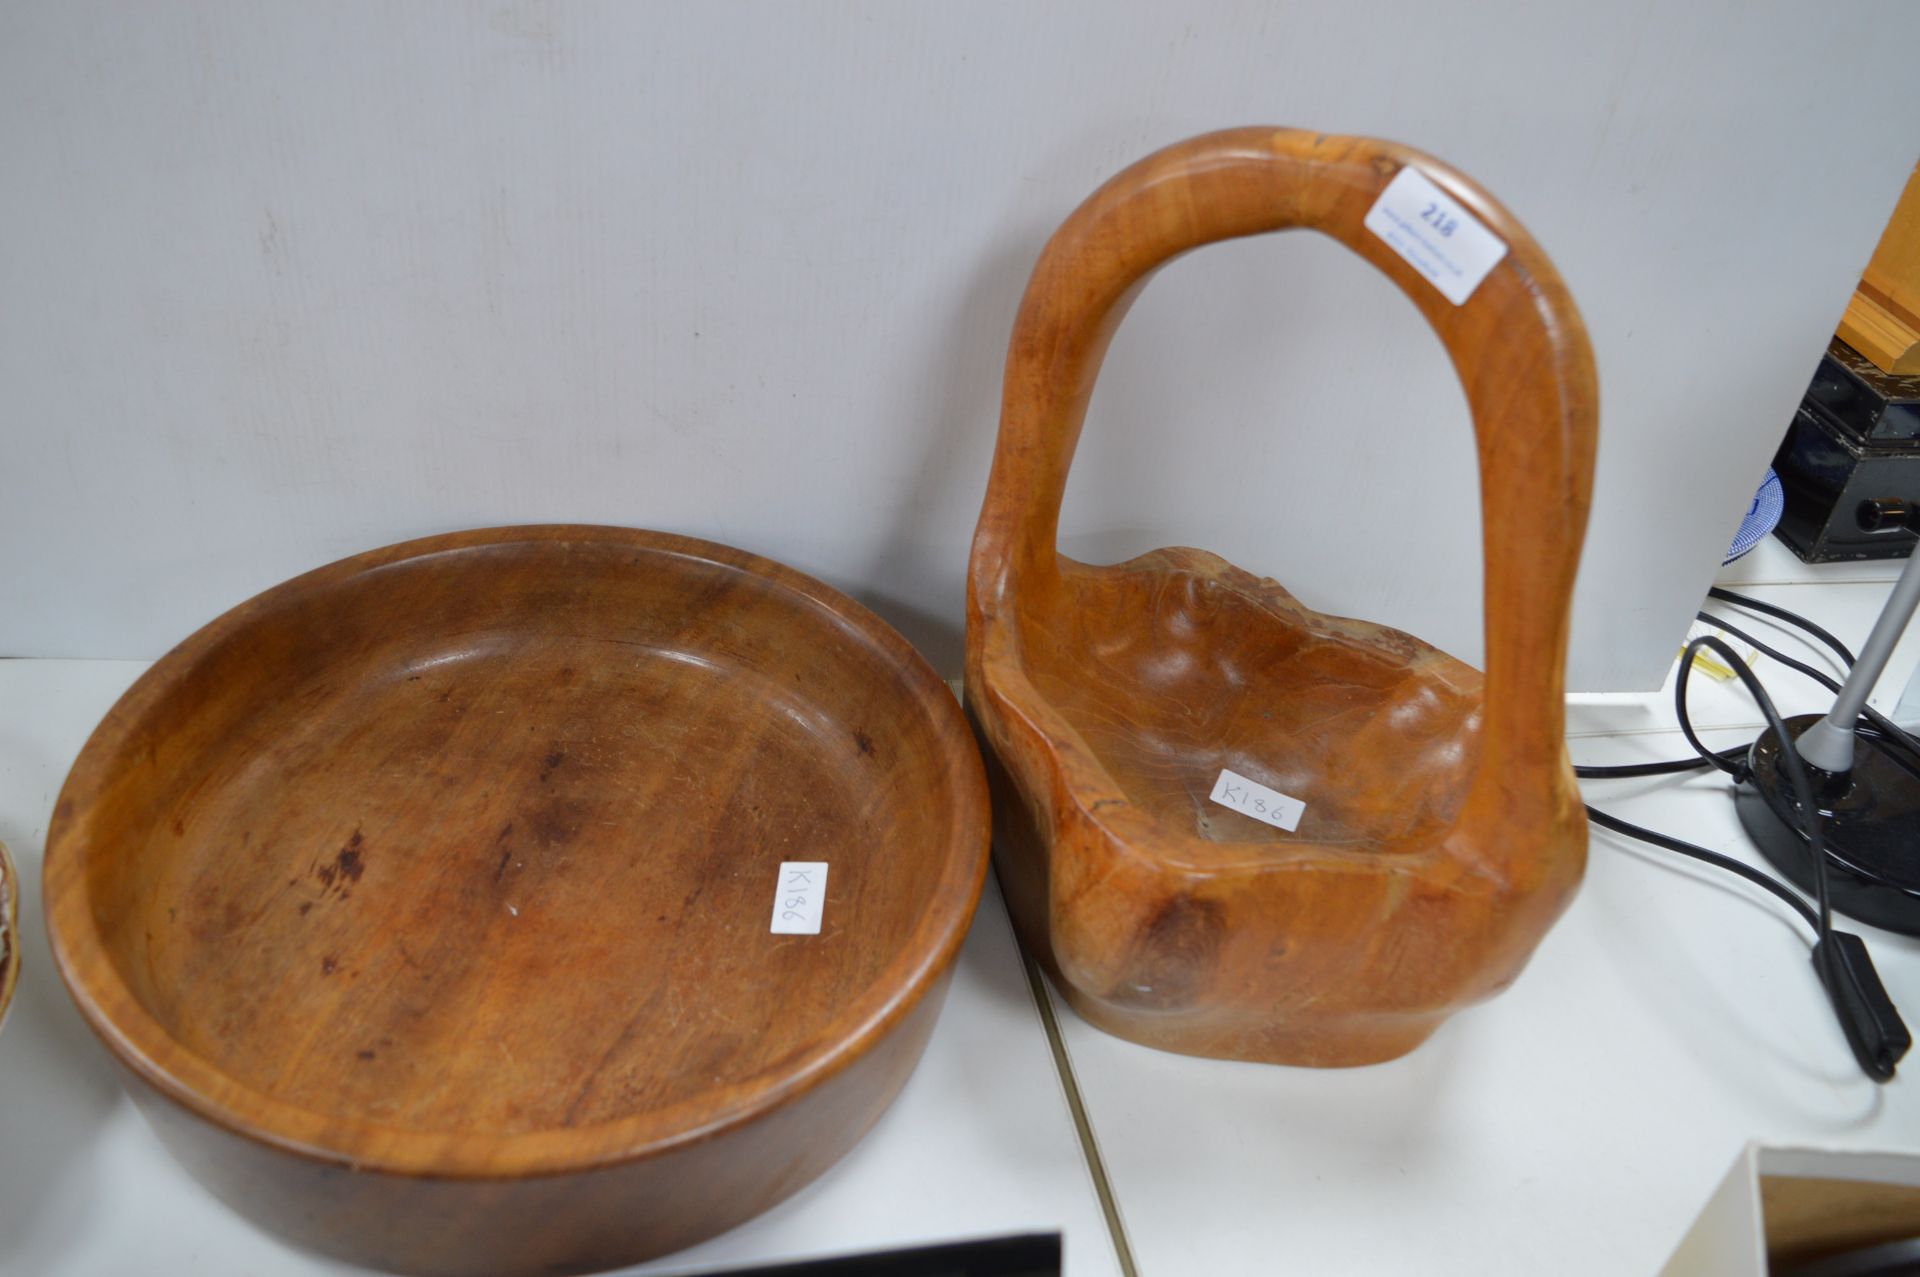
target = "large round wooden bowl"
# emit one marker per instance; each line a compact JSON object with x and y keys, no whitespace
{"x":427,"y":900}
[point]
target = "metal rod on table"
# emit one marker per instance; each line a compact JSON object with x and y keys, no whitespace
{"x":1828,"y":744}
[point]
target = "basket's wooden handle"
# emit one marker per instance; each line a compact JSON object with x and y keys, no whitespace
{"x":1517,"y":343}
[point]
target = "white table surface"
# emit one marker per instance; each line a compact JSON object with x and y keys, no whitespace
{"x":1573,"y":1125}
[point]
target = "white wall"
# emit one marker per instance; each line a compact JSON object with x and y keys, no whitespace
{"x":280,"y":282}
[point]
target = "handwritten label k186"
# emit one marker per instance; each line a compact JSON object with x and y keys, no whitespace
{"x":800,"y":899}
{"x":1251,"y":798}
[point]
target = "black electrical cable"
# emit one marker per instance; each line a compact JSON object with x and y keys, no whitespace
{"x":1782,"y":614}
{"x":1732,"y":759}
{"x":1622,"y":771}
{"x":1866,"y":1014}
{"x":1714,"y":858}
{"x":1821,"y":677}
{"x":1886,"y":726}
{"x":1726,"y":760}
{"x":1795,"y":766}
{"x":1734,"y":768}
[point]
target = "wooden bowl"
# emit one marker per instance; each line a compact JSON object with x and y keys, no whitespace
{"x":1131,"y":710}
{"x":9,"y":930}
{"x":428,"y":899}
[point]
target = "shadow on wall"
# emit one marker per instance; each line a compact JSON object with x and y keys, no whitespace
{"x":958,"y":415}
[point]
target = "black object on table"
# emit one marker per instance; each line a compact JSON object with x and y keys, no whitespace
{"x":1027,"y":1255}
{"x":1850,"y":465}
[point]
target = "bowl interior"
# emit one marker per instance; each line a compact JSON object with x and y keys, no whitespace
{"x":489,"y":839}
{"x":1177,"y":665}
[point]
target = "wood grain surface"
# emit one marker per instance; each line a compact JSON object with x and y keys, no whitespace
{"x":1442,"y":832}
{"x":1882,"y":319}
{"x":427,"y":898}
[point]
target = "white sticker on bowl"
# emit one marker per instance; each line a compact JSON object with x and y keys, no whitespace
{"x":1251,"y":798}
{"x":801,"y":898}
{"x":1435,"y":234}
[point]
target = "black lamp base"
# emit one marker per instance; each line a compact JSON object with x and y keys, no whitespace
{"x":1870,"y":824}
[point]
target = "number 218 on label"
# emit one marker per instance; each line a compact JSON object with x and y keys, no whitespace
{"x":1436,"y":217}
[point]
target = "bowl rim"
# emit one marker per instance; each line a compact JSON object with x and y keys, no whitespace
{"x":151,"y":1053}
{"x":9,"y":929}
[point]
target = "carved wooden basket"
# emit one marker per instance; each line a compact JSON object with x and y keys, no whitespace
{"x":438,"y":903}
{"x":1441,"y":832}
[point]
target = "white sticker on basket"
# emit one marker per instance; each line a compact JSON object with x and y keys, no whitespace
{"x":1435,"y":233}
{"x":1251,"y":798}
{"x":802,"y":896}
